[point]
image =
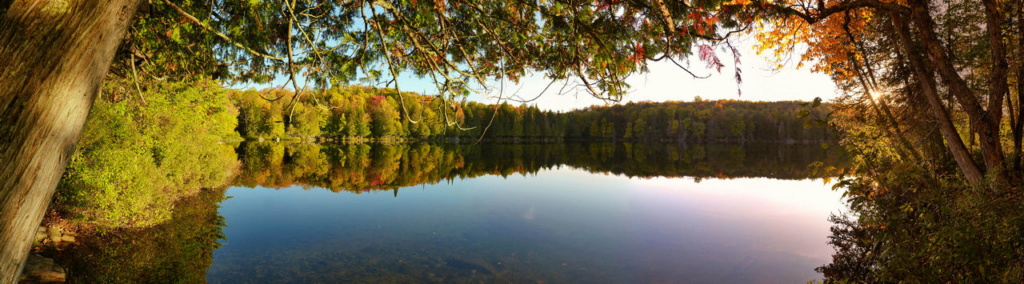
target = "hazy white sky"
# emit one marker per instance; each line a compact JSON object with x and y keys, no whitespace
{"x":666,"y":82}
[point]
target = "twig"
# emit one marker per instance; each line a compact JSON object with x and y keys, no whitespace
{"x":135,"y":78}
{"x":221,"y":35}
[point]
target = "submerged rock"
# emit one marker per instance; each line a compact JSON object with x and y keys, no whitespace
{"x":40,"y":269}
{"x":468,"y":266}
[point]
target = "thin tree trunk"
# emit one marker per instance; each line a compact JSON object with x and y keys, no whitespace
{"x":925,"y":78}
{"x":54,"y":55}
{"x":998,"y":86}
{"x":881,"y":108}
{"x":1018,"y":123}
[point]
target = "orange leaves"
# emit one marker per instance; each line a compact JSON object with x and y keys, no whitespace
{"x":439,"y":6}
{"x":397,"y":54}
{"x":828,"y":48}
{"x":702,"y":21}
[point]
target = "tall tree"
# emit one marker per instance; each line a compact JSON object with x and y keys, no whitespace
{"x":973,"y":71}
{"x":55,"y":54}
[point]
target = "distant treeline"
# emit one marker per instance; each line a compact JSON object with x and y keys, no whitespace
{"x":366,"y":112}
{"x":366,"y":167}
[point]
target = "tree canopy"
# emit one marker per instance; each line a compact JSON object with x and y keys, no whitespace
{"x":462,"y":46}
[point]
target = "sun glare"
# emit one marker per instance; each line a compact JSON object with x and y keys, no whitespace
{"x":875,"y":95}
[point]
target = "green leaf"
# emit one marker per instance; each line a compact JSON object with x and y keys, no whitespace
{"x":803,"y":114}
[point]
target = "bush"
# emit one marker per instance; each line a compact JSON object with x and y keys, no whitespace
{"x":911,"y":227}
{"x":134,"y":160}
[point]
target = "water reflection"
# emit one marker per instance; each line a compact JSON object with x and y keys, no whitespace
{"x":551,"y":227}
{"x":362,"y":167}
{"x":178,"y":251}
{"x":594,"y":213}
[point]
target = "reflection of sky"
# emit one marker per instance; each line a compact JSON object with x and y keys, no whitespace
{"x":613,"y":228}
{"x":785,"y":214}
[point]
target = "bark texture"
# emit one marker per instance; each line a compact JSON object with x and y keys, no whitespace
{"x":54,"y":57}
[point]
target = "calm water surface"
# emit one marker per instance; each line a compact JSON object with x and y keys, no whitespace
{"x":415,"y":214}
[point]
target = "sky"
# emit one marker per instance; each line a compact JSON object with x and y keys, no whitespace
{"x":666,"y":82}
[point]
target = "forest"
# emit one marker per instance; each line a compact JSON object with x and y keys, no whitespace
{"x":382,"y":114}
{"x":135,"y":160}
{"x":931,"y":103}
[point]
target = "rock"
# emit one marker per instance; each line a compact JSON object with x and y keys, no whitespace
{"x":40,"y":269}
{"x":54,"y":233}
{"x":470,"y":266}
{"x":68,"y":238}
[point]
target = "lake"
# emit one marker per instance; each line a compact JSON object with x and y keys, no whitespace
{"x":556,"y":213}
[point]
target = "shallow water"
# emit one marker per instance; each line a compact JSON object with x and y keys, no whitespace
{"x":560,"y":225}
{"x":521,"y":215}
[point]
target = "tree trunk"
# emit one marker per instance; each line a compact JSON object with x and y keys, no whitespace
{"x":926,"y":79}
{"x":1018,"y":123}
{"x":986,"y":123}
{"x":998,"y":86}
{"x":55,"y":55}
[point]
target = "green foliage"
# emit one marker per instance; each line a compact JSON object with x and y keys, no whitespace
{"x":340,"y":42}
{"x":919,"y":221}
{"x":307,"y":121}
{"x":910,"y":227}
{"x":373,"y":112}
{"x":135,"y":160}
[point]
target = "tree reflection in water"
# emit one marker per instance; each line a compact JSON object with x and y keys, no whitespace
{"x":362,"y":167}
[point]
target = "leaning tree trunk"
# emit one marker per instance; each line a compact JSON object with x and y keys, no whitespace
{"x":54,"y":55}
{"x":926,"y":80}
{"x":985,"y":122}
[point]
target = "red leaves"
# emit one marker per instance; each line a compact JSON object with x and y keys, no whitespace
{"x":638,"y":54}
{"x":707,"y":54}
{"x":376,"y":180}
{"x":606,"y":4}
{"x":376,"y":100}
